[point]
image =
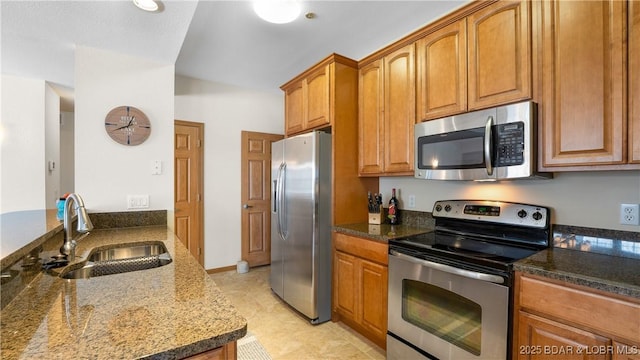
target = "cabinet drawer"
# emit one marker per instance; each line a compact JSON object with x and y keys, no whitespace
{"x":367,"y":249}
{"x":607,"y":315}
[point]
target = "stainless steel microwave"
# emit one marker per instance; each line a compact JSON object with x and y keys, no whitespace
{"x":492,"y":144}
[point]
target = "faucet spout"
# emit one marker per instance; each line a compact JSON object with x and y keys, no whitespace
{"x":84,"y":224}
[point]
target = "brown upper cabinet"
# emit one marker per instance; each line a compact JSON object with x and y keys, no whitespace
{"x":309,"y":102}
{"x":325,"y":97}
{"x":583,"y":83}
{"x":476,"y":62}
{"x":634,"y":82}
{"x":370,"y":104}
{"x":387,"y":114}
{"x":442,"y":72}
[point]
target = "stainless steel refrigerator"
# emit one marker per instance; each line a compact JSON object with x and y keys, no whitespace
{"x":301,"y":223}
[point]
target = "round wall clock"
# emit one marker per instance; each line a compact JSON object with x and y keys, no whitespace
{"x":127,"y":125}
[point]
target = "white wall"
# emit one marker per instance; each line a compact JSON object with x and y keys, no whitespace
{"x":52,"y":147}
{"x":225,"y":111}
{"x":67,"y":156}
{"x":106,"y":172}
{"x":23,"y":144}
{"x":588,"y":199}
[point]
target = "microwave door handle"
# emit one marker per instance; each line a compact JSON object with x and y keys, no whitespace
{"x":450,"y":269}
{"x":487,"y":145}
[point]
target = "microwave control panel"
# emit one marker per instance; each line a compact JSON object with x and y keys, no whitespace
{"x":508,"y":144}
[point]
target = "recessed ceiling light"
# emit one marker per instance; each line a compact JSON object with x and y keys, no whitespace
{"x":146,"y":5}
{"x":277,"y":11}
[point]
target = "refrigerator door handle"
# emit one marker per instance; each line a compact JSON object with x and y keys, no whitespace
{"x":280,"y":199}
{"x":274,"y":197}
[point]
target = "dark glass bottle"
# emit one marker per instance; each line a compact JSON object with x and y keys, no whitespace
{"x":394,"y":212}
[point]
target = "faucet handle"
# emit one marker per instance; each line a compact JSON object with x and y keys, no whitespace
{"x":69,"y":249}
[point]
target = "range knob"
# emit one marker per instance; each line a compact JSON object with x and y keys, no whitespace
{"x":438,"y":208}
{"x":537,"y":215}
{"x":522,"y":214}
{"x":447,"y":208}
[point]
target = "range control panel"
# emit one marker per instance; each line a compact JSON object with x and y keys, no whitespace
{"x":493,"y":211}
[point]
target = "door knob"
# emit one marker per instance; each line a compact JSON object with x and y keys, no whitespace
{"x":246,"y":206}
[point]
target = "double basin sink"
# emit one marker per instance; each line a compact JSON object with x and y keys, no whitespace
{"x":118,"y":259}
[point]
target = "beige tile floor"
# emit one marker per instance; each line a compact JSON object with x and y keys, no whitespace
{"x":284,"y":333}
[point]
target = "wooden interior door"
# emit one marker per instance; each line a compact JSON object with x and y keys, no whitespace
{"x":256,"y":197}
{"x":188,"y":182}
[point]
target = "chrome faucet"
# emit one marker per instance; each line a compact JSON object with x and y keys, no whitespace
{"x":84,"y":224}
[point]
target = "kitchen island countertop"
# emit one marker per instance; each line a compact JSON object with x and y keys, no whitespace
{"x":169,"y":312}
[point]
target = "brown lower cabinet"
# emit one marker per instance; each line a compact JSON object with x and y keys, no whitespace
{"x":360,"y":275}
{"x":557,"y":320}
{"x":227,"y":351}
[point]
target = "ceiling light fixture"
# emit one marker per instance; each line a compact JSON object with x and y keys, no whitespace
{"x":277,"y":11}
{"x":146,"y":5}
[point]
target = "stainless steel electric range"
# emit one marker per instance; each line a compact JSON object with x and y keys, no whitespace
{"x":450,"y":290}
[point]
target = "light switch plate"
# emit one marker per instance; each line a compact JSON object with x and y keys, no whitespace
{"x":156,"y":167}
{"x":412,"y":201}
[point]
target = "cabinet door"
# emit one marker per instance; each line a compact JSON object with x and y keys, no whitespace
{"x":228,"y":351}
{"x":625,"y":351}
{"x":583,"y":82}
{"x":294,"y":108}
{"x":538,"y":338}
{"x":442,"y":72}
{"x":345,"y":284}
{"x":634,"y":82}
{"x":499,"y":54}
{"x":317,"y":98}
{"x":373,"y":287}
{"x":399,"y":110}
{"x":370,"y":132}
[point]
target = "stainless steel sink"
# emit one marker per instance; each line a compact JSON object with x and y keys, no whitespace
{"x":119,"y":259}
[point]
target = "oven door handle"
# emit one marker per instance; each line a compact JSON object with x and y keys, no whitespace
{"x":450,"y":269}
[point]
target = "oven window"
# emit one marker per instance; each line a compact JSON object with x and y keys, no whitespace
{"x":443,"y":313}
{"x":457,"y":150}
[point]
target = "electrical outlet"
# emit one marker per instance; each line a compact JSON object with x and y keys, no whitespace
{"x":412,"y":201}
{"x":137,"y":201}
{"x":629,"y":214}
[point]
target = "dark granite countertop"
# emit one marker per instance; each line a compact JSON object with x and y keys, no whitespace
{"x":169,"y":312}
{"x":618,"y":275}
{"x":592,"y":267}
{"x":382,"y":232}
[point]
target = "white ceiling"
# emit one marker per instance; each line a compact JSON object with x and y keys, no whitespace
{"x":221,"y":41}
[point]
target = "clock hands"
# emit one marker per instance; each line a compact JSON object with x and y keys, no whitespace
{"x":125,"y":126}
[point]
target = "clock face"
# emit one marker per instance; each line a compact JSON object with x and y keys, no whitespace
{"x":127,"y":125}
